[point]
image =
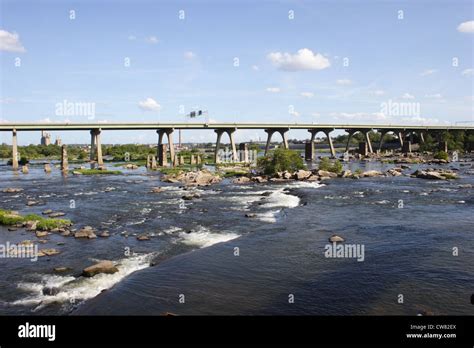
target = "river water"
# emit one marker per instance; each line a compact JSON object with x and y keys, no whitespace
{"x":207,"y":257}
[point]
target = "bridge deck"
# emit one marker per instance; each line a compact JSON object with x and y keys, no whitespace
{"x":154,"y":126}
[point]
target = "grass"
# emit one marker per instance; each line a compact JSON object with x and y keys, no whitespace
{"x":97,"y":172}
{"x":10,"y":218}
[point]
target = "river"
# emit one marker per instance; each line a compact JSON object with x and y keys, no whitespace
{"x":206,"y":257}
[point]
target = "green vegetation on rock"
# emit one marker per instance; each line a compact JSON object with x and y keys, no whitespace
{"x":10,"y":218}
{"x":280,"y":160}
{"x":326,"y":165}
{"x":442,"y":155}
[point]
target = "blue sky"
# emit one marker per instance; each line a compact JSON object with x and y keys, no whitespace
{"x":289,"y":70}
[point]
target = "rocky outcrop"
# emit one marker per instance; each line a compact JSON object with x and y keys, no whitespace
{"x":48,"y":252}
{"x":326,"y":174}
{"x":302,"y":174}
{"x":199,"y":178}
{"x":106,"y":267}
{"x":371,"y":174}
{"x":435,"y":174}
{"x":85,"y":232}
{"x":241,"y":180}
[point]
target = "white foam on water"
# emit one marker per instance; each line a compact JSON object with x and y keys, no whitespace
{"x":269,"y":216}
{"x":205,"y":238}
{"x":73,"y":290}
{"x":305,"y":184}
{"x":281,"y":199}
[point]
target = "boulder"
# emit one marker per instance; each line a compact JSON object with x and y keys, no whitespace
{"x":40,"y":234}
{"x":241,"y":180}
{"x":250,"y":215}
{"x":31,"y":225}
{"x":259,"y":179}
{"x":156,"y":189}
{"x":47,"y":212}
{"x":106,"y":267}
{"x":47,"y":168}
{"x":371,"y":174}
{"x":346,"y":174}
{"x":326,"y":174}
{"x":143,"y":237}
{"x":75,"y":172}
{"x":12,"y":190}
{"x":393,"y":172}
{"x":85,"y":232}
{"x":61,"y":269}
{"x":25,"y":170}
{"x":302,"y":174}
{"x":336,"y":239}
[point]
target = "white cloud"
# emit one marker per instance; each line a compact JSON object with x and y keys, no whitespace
{"x":304,"y":59}
{"x":466,"y":27}
{"x":315,"y":114}
{"x":408,"y":96}
{"x":189,"y":55}
{"x":149,"y":104}
{"x":344,"y":82}
{"x":10,"y":42}
{"x":468,"y":72}
{"x":255,"y":68}
{"x":307,"y":94}
{"x":132,"y":37}
{"x":434,"y":96}
{"x":273,"y":89}
{"x":152,"y":40}
{"x":428,"y":72}
{"x":378,"y":92}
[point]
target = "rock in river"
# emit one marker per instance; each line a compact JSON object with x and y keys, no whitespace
{"x":336,"y":239}
{"x":85,"y":232}
{"x":107,"y":267}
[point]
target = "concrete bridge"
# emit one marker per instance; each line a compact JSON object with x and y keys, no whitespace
{"x":402,"y":132}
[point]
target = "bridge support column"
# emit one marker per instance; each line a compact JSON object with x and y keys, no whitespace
{"x":162,"y":155}
{"x":309,"y":151}
{"x":382,"y":135}
{"x":96,"y":149}
{"x":14,"y":150}
{"x":369,"y":143}
{"x":351,"y":133}
{"x":401,"y":136}
{"x":169,"y":135}
{"x":331,"y":146}
{"x":422,"y":137}
{"x":230,"y":132}
{"x":64,"y":161}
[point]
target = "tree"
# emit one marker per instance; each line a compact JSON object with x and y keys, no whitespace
{"x":280,"y":160}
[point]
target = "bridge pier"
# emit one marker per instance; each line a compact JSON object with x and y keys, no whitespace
{"x":96,"y":149}
{"x":64,"y":161}
{"x":270,"y":133}
{"x":369,"y":143}
{"x":244,"y":153}
{"x":14,"y":150}
{"x":230,"y":132}
{"x":331,"y":145}
{"x":169,"y":135}
{"x":422,"y":137}
{"x":351,"y":133}
{"x":382,"y":135}
{"x":401,"y":137}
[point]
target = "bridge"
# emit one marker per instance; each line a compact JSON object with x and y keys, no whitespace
{"x":95,"y":129}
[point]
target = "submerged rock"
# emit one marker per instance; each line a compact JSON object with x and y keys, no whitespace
{"x":48,"y":252}
{"x":143,"y":237}
{"x":241,"y":180}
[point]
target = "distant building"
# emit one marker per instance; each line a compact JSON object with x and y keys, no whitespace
{"x":58,"y":141}
{"x":45,"y":138}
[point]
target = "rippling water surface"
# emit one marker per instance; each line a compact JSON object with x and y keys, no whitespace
{"x":192,"y":248}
